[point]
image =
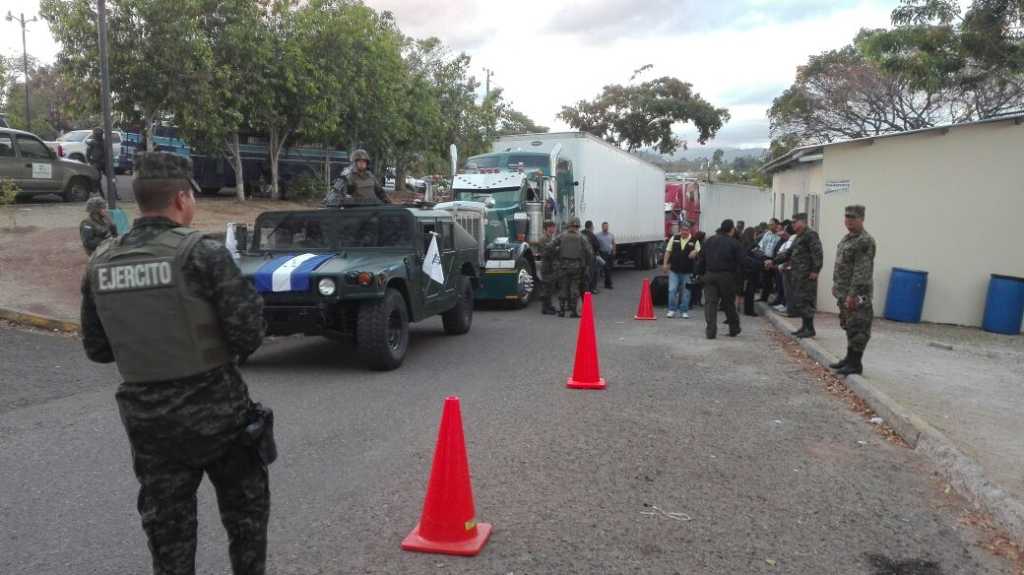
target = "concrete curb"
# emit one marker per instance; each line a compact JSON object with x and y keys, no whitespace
{"x":40,"y":321}
{"x":963,"y":473}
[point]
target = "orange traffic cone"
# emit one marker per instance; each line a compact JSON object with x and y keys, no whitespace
{"x":586,"y":373}
{"x":448,"y":523}
{"x":646,"y":308}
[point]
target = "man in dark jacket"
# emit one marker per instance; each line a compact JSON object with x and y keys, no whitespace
{"x":172,"y":309}
{"x":595,"y":248}
{"x":723,"y":257}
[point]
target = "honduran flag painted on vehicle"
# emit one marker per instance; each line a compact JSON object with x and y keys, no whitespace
{"x":288,"y":273}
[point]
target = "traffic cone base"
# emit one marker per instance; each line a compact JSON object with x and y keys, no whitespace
{"x":645,"y":311}
{"x":599,"y":384}
{"x":465,"y":548}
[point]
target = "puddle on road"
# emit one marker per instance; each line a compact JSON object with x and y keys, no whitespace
{"x":883,"y":565}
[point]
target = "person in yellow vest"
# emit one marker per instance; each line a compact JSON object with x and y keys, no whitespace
{"x":171,"y":308}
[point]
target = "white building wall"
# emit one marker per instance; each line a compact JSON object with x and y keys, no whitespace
{"x":947,"y":203}
{"x":751,"y":204}
{"x":799,"y":186}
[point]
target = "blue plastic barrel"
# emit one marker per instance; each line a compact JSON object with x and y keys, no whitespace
{"x":1004,"y":306}
{"x":905,"y":299}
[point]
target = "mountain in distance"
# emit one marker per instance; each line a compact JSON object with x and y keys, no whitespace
{"x":698,"y":152}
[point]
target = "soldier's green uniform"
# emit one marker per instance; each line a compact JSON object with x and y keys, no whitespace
{"x":573,"y":255}
{"x":805,"y":257}
{"x":97,"y":227}
{"x":363,"y":186}
{"x":172,"y":309}
{"x":547,"y":285}
{"x":853,"y":277}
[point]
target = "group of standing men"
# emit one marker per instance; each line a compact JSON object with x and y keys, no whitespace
{"x":724,"y":260}
{"x":570,"y":265}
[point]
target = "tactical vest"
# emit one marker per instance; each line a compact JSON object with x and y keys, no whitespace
{"x":157,"y":329}
{"x":570,"y":247}
{"x":679,"y":258}
{"x":363,"y":188}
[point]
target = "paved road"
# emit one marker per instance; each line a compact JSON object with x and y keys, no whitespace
{"x":775,"y":474}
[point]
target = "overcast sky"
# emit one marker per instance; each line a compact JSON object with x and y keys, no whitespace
{"x":738,"y":54}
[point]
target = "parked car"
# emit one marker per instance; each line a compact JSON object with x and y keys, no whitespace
{"x":358,"y":272}
{"x":73,"y":145}
{"x":36,"y":169}
{"x":3,"y":121}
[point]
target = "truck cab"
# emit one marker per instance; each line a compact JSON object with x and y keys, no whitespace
{"x":513,"y":192}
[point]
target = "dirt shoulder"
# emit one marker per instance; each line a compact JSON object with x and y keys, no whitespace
{"x":42,"y":261}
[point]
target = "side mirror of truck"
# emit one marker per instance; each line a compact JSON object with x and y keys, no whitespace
{"x":576,"y":183}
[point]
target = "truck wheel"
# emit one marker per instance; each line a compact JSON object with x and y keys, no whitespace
{"x":524,"y":284}
{"x":382,"y":331}
{"x":458,"y":320}
{"x":77,"y":190}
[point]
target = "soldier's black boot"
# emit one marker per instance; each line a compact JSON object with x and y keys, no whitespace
{"x":561,"y":308}
{"x":803,"y":328}
{"x":842,"y":362}
{"x":853,"y":364}
{"x":572,"y":310}
{"x":808,"y":330}
{"x":547,"y":308}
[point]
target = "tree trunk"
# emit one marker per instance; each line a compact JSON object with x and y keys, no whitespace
{"x":236,"y":153}
{"x":327,"y":166}
{"x":277,"y":139}
{"x":148,"y":129}
{"x":399,"y":177}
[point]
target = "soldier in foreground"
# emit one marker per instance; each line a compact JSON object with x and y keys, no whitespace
{"x":97,"y":226}
{"x":171,"y":308}
{"x":360,"y":185}
{"x":853,"y":279}
{"x":805,"y":258}
{"x":574,"y":254}
{"x":548,"y":277}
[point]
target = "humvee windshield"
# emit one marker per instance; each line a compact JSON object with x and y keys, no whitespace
{"x":333,"y":230}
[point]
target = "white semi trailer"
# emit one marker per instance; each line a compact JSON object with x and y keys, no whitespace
{"x":529,"y":178}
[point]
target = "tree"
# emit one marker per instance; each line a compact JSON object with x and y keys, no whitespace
{"x":977,"y":54}
{"x":716,"y":158}
{"x":516,"y":122}
{"x":642,"y":115}
{"x":842,"y":94}
{"x":155,"y":54}
{"x":48,"y":92}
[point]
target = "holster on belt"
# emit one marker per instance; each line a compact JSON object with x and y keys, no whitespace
{"x":259,"y":433}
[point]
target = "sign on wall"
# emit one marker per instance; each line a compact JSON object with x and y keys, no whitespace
{"x":836,"y":186}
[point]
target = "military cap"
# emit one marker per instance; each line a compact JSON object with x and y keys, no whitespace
{"x":855,"y":212}
{"x":574,"y":223}
{"x":802,"y":216}
{"x":163,"y":166}
{"x":548,"y":223}
{"x":95,"y":204}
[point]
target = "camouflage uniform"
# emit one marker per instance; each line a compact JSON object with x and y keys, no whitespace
{"x":180,"y":429}
{"x":97,"y":227}
{"x":573,"y":254}
{"x":805,"y":258}
{"x":853,"y":276}
{"x":364,"y":189}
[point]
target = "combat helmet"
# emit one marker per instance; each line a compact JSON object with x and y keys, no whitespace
{"x":360,"y":155}
{"x":574,"y":222}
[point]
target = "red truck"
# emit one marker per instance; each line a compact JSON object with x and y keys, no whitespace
{"x":682,"y":201}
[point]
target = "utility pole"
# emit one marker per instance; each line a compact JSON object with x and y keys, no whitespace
{"x":24,"y":64}
{"x":487,"y":88}
{"x":108,"y":148}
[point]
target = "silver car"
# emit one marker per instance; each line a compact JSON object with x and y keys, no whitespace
{"x":36,"y":169}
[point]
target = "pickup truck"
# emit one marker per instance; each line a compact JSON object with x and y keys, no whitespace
{"x":35,"y":169}
{"x":73,"y":145}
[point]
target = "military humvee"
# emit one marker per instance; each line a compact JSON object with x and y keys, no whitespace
{"x":360,"y":272}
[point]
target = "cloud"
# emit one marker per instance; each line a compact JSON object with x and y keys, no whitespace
{"x":751,"y":95}
{"x":603,"y":21}
{"x":742,"y":134}
{"x":462,"y":24}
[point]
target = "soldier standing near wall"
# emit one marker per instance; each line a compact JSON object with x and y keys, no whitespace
{"x":853,"y":280}
{"x":805,"y":258}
